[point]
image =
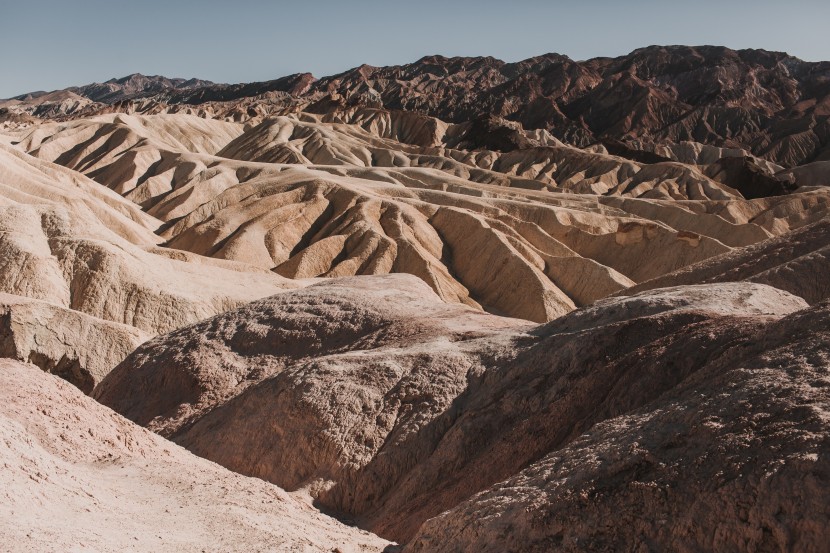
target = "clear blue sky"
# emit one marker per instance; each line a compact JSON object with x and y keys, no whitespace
{"x":51,"y":44}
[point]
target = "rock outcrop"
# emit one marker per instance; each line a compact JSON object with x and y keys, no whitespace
{"x":77,"y":347}
{"x":732,"y":458}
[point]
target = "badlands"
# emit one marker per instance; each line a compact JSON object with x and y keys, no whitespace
{"x":456,"y":305}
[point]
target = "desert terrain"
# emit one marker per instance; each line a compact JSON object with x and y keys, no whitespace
{"x":453,"y":305}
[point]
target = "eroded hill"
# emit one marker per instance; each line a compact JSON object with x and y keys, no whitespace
{"x":461,"y":304}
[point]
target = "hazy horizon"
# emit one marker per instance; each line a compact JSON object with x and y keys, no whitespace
{"x":93,"y":41}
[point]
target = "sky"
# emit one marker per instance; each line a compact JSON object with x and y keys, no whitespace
{"x":53,"y":44}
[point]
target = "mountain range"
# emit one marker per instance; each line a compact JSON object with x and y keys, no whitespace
{"x":768,"y":103}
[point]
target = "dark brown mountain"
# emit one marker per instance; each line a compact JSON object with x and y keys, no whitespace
{"x":771,"y":104}
{"x":135,"y":86}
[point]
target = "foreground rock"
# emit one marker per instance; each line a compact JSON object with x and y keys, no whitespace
{"x":78,"y":477}
{"x":734,"y":458}
{"x":391,"y":407}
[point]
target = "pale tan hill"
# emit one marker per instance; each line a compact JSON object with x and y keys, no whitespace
{"x":797,"y":262}
{"x":87,"y":279}
{"x":314,"y":198}
{"x":78,"y":477}
{"x":71,"y":242}
{"x":77,"y":347}
{"x":392,"y":407}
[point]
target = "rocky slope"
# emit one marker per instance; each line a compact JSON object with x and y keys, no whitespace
{"x":391,"y":407}
{"x":766,"y":102}
{"x":77,"y":476}
{"x":77,"y":347}
{"x":733,"y":458}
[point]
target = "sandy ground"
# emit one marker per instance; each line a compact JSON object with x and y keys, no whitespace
{"x":78,"y":477}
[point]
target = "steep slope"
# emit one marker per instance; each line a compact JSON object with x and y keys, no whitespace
{"x":83,"y":280}
{"x":68,"y":241}
{"x":78,"y":477}
{"x":797,"y":262}
{"x":399,"y":407}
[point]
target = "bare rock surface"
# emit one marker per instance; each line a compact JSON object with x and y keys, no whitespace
{"x":77,"y":476}
{"x":391,"y":407}
{"x":734,"y":458}
{"x":77,"y":347}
